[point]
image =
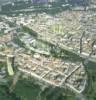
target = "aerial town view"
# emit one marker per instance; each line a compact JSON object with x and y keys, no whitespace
{"x":47,"y":49}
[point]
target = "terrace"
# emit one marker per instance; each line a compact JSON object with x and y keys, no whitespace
{"x":55,"y":30}
{"x":53,"y":71}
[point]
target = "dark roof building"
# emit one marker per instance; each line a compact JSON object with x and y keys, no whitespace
{"x":40,"y":1}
